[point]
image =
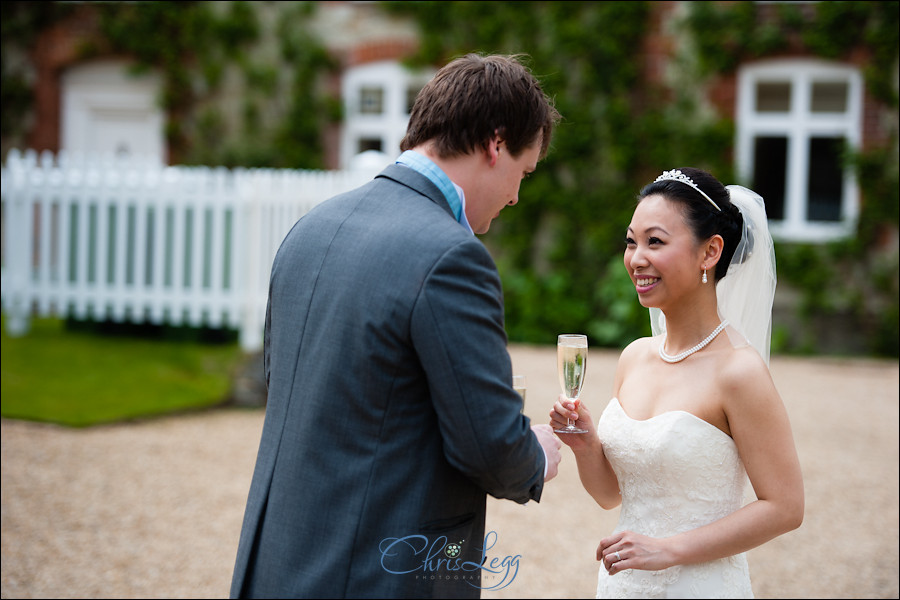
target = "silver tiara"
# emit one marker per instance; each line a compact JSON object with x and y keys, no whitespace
{"x":676,"y":175}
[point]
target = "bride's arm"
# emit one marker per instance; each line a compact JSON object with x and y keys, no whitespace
{"x":761,"y":430}
{"x":596,"y":474}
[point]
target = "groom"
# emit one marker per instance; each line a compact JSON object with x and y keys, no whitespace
{"x":391,"y":412}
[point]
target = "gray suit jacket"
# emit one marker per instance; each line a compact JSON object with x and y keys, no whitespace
{"x":390,"y":410}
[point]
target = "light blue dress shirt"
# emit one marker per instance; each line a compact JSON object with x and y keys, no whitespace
{"x":454,"y":194}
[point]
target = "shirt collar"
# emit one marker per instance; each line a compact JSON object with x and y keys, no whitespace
{"x":454,"y":194}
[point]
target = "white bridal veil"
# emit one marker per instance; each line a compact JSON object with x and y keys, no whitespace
{"x":746,"y":292}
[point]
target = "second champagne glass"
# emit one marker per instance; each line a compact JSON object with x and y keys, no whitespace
{"x":571,"y":357}
{"x":519,"y":386}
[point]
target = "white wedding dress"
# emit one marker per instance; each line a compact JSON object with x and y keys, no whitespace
{"x":676,"y":472}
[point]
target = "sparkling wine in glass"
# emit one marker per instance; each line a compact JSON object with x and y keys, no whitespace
{"x":571,"y":361}
{"x":519,"y":386}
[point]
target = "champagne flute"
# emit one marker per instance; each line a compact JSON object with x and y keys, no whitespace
{"x":571,"y":357}
{"x":519,"y":386}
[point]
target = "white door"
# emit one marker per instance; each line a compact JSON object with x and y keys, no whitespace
{"x":106,"y":110}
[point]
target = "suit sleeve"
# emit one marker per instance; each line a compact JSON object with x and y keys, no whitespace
{"x":457,"y":329}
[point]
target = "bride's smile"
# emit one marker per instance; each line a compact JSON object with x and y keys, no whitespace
{"x":659,"y":244}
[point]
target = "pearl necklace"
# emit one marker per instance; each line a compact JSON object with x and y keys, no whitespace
{"x":683,"y":355}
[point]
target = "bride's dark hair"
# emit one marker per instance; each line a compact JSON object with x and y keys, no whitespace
{"x":701,"y":214}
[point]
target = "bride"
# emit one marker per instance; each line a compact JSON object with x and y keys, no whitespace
{"x":694,"y":412}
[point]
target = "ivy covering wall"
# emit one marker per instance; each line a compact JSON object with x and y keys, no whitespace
{"x":560,"y":250}
{"x":283,"y":100}
{"x":280,"y":65}
{"x":851,"y":286}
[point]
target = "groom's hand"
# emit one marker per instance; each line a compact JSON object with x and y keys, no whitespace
{"x":551,"y":444}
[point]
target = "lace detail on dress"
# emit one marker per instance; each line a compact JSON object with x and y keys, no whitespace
{"x":676,"y":472}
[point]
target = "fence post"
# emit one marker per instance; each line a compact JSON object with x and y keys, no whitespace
{"x":18,"y":232}
{"x":250,"y":240}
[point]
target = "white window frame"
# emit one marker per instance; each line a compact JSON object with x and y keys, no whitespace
{"x":798,"y":126}
{"x":390,"y":125}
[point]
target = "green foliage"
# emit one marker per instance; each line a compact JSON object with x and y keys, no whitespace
{"x":191,"y":41}
{"x":839,"y":28}
{"x":179,"y":39}
{"x":625,"y":315}
{"x":842,"y":288}
{"x":559,"y":251}
{"x":22,"y":22}
{"x":15,"y":97}
{"x":845,"y":281}
{"x":879,"y":181}
{"x":299,"y":139}
{"x":70,"y":377}
{"x":728,"y":34}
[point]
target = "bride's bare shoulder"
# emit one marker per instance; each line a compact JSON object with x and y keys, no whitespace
{"x":639,"y":349}
{"x":632,"y":355}
{"x":745,"y":369}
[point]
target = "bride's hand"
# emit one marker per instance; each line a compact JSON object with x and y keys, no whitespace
{"x":629,"y":550}
{"x":565,"y":409}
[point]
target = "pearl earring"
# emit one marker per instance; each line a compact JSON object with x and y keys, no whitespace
{"x":703,"y":279}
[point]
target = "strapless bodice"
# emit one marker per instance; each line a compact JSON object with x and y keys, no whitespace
{"x":676,"y":472}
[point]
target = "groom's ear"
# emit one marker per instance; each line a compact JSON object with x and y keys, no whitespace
{"x":492,"y":148}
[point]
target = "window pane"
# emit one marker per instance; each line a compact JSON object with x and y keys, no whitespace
{"x":369,"y":144}
{"x":825,"y":180}
{"x":371,"y":100}
{"x":829,"y":97}
{"x":769,"y":173}
{"x":773,"y":97}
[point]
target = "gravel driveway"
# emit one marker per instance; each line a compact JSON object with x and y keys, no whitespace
{"x":152,"y":509}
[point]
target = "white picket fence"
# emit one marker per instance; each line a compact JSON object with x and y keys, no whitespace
{"x":130,"y":240}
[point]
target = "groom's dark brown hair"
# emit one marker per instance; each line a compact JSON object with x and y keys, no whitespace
{"x":474,"y":98}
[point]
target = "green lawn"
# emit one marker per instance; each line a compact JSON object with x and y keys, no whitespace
{"x":76,"y":378}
